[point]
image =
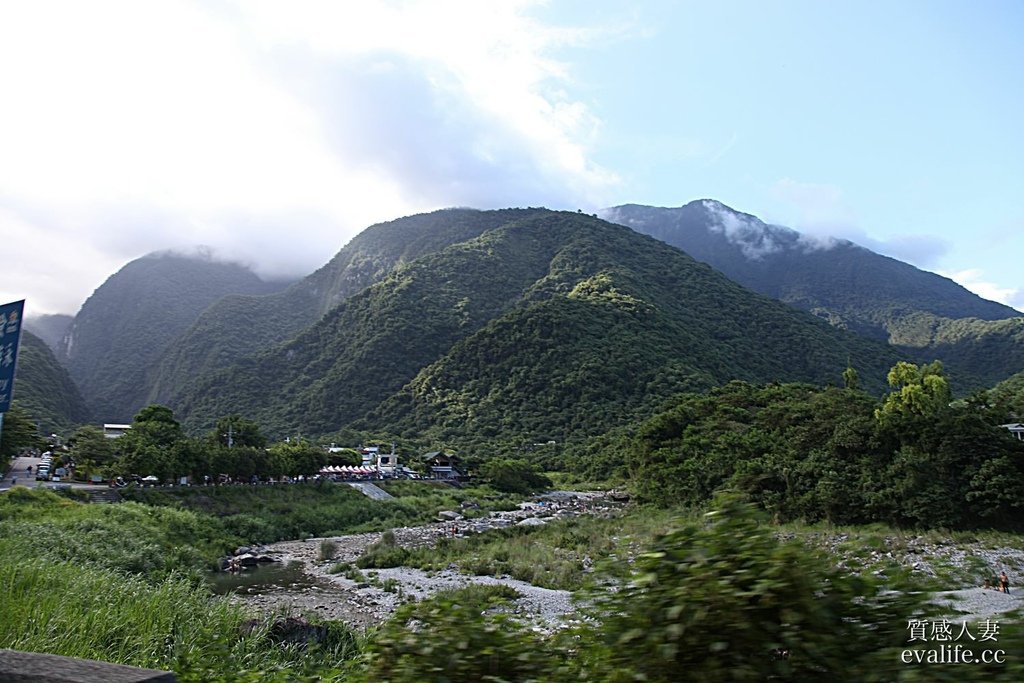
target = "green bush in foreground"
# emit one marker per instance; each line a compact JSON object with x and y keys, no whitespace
{"x":719,"y":600}
{"x":728,"y":601}
{"x":459,"y":637}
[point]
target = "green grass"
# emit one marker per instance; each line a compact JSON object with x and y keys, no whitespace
{"x":83,"y":611}
{"x":877,"y":547}
{"x":560,"y":554}
{"x":264,"y":514}
{"x":123,"y":584}
{"x":148,"y":541}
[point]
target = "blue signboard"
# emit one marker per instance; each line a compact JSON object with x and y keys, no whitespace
{"x":10,"y":333}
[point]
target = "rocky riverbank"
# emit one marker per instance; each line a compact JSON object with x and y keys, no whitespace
{"x":370,"y":599}
{"x":956,"y":569}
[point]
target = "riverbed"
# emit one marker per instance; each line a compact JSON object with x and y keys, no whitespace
{"x":300,"y":583}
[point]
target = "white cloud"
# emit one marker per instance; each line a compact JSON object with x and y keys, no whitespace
{"x":753,"y":237}
{"x":271,"y":131}
{"x":975,"y":280}
{"x":820,"y":212}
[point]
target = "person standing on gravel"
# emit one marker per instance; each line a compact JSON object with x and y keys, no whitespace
{"x":1004,"y":582}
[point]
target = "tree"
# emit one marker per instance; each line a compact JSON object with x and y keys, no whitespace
{"x":917,"y":391}
{"x":513,"y":476}
{"x":298,"y":456}
{"x":90,"y":448}
{"x":236,"y":430}
{"x":18,"y":433}
{"x":345,"y":456}
{"x":149,"y":446}
{"x":727,"y":600}
{"x":851,"y":380}
{"x":155,"y":425}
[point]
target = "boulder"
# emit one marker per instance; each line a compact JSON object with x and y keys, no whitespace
{"x":247,"y":560}
{"x":296,"y":631}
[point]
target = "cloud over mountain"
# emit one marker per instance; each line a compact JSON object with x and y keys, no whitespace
{"x":269,"y":132}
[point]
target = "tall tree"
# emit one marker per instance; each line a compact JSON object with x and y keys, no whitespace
{"x":90,"y":449}
{"x":235,"y":430}
{"x":149,"y":446}
{"x":19,"y":432}
{"x":297,"y":456}
{"x":916,"y":391}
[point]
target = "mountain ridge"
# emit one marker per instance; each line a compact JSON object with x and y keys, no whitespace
{"x":481,"y":274}
{"x":124,"y":327}
{"x":842,"y":282}
{"x":230,"y":329}
{"x":419,"y":324}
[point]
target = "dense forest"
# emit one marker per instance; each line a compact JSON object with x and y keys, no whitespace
{"x":44,"y":390}
{"x":557,"y":326}
{"x":925,"y":315}
{"x":125,"y":327}
{"x":914,"y":459}
{"x":470,"y":328}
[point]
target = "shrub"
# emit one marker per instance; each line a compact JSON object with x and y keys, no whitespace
{"x":454,"y":637}
{"x":728,"y":601}
{"x":328,"y":550}
{"x":383,"y":554}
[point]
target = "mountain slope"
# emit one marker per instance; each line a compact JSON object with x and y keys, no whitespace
{"x":238,"y":326}
{"x":45,"y":390}
{"x":557,"y":324}
{"x":50,"y":328}
{"x":854,"y":288}
{"x":127,"y":324}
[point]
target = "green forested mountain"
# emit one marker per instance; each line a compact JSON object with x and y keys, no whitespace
{"x":124,"y":328}
{"x":44,"y":389}
{"x":928,"y":316}
{"x":238,"y":326}
{"x":549,"y":326}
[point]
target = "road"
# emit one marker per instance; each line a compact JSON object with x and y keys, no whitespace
{"x":19,"y":471}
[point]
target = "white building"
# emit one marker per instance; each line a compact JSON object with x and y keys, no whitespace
{"x":112,"y":431}
{"x":1017,"y":429}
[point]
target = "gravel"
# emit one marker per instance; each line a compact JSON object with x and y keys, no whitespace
{"x":363,"y":604}
{"x":978,"y":604}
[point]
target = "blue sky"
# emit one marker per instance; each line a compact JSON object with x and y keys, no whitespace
{"x":272,"y":132}
{"x":894,"y":124}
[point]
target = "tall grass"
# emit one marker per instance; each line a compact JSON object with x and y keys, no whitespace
{"x":139,"y":539}
{"x":120,"y":584}
{"x":262,"y":514}
{"x":559,"y":554}
{"x":82,"y":611}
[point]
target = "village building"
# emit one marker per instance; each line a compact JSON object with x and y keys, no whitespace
{"x":112,"y":431}
{"x":443,"y":465}
{"x":1016,"y":428}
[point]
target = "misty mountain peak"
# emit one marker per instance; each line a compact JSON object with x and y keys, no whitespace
{"x":710,"y":221}
{"x":754,"y":238}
